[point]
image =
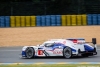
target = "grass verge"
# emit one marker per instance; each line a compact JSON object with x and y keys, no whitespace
{"x":54,"y":65}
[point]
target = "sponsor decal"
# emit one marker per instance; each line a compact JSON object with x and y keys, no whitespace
{"x":57,"y":51}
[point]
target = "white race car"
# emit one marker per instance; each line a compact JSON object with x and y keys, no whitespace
{"x":61,"y":47}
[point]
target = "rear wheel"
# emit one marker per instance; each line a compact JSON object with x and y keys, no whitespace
{"x":67,"y":52}
{"x":30,"y":52}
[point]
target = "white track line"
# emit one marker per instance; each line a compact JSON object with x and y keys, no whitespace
{"x":10,"y":50}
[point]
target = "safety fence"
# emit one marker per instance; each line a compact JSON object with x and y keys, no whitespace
{"x":49,"y":20}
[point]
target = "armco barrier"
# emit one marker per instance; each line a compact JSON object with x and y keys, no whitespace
{"x":53,"y":20}
{"x":38,"y":20}
{"x":58,"y":20}
{"x":33,"y":21}
{"x":89,"y":19}
{"x":7,"y":21}
{"x":48,"y":20}
{"x":95,"y":17}
{"x":43,"y":21}
{"x":17,"y":21}
{"x":84,"y":19}
{"x":12,"y":21}
{"x":98,"y":19}
{"x":2,"y":21}
{"x":79,"y":19}
{"x":63,"y":20}
{"x":28,"y":21}
{"x":22,"y":21}
{"x":68,"y":20}
{"x":73,"y":19}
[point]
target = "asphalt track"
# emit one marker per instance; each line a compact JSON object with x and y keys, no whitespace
{"x":12,"y":55}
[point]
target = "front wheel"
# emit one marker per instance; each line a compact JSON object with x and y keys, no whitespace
{"x":67,"y":52}
{"x":30,"y":52}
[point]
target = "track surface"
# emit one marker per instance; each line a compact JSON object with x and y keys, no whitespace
{"x":12,"y":55}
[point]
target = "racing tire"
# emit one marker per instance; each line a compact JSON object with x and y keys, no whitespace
{"x":67,"y":52}
{"x":30,"y":52}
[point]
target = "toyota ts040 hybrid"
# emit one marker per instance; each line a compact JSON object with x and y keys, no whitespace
{"x":61,"y":47}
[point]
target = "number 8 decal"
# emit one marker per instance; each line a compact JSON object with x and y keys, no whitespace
{"x":40,"y":52}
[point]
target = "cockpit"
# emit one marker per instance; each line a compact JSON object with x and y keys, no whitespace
{"x":49,"y":44}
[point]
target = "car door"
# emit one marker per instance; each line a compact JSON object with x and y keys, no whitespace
{"x":54,"y":50}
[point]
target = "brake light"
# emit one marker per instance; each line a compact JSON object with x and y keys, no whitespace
{"x":75,"y":41}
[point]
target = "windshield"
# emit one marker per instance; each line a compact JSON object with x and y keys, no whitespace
{"x":48,"y":44}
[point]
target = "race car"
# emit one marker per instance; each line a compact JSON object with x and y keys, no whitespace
{"x":61,"y":47}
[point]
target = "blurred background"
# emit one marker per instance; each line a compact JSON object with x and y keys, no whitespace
{"x":29,"y":13}
{"x":48,"y":7}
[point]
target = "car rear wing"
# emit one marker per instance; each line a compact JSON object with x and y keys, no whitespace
{"x":75,"y":40}
{"x":93,"y":41}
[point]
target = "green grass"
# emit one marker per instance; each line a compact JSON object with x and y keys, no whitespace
{"x":54,"y":65}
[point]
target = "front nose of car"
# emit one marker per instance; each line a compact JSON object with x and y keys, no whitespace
{"x":23,"y":54}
